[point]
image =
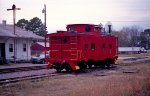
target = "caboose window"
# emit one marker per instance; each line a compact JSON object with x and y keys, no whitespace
{"x":95,"y":29}
{"x":65,"y":40}
{"x":93,"y":46}
{"x":85,"y":46}
{"x":87,"y":28}
{"x":71,"y":28}
{"x":110,"y":46}
{"x":103,"y":46}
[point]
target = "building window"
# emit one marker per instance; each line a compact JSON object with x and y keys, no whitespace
{"x":24,"y":47}
{"x":93,"y":46}
{"x":85,"y":46}
{"x":103,"y":46}
{"x":10,"y":47}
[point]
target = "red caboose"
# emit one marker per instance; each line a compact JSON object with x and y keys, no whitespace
{"x":81,"y":46}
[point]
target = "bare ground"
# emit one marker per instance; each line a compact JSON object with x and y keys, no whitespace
{"x":122,"y":80}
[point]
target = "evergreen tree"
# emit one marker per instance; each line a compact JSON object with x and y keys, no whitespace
{"x":22,"y":23}
{"x":35,"y":25}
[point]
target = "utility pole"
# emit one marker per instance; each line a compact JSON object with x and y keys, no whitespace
{"x":44,"y":11}
{"x":14,"y":22}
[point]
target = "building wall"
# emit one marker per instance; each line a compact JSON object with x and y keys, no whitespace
{"x":8,"y":54}
{"x":0,"y":51}
{"x":25,"y":55}
{"x":20,"y":54}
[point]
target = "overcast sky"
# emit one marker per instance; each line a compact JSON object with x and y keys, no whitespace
{"x":62,"y":12}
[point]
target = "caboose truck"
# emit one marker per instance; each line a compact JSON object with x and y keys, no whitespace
{"x":81,"y":46}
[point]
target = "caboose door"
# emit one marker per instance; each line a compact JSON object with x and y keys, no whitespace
{"x":65,"y":47}
{"x":55,"y":48}
{"x":69,"y":48}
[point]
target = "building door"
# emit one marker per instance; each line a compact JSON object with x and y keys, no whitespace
{"x":2,"y":53}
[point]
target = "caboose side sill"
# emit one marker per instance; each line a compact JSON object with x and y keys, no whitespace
{"x":83,"y":64}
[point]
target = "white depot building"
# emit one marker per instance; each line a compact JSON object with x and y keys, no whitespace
{"x":22,"y":42}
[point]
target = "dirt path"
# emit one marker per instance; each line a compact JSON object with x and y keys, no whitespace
{"x":121,"y":80}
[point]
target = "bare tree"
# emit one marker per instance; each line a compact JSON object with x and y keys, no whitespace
{"x":133,"y":33}
{"x":128,"y":36}
{"x":123,"y":38}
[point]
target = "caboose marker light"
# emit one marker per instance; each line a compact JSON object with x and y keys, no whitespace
{"x":14,"y":22}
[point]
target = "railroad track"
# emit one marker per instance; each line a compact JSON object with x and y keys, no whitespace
{"x":17,"y":79}
{"x":13,"y":80}
{"x":32,"y":77}
{"x":20,"y":69}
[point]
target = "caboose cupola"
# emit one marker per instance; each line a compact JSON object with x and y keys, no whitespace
{"x":87,"y":28}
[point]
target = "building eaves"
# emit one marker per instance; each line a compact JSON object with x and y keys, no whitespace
{"x":7,"y":31}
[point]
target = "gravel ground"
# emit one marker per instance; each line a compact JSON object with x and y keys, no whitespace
{"x":6,"y":66}
{"x":128,"y":78}
{"x":25,"y":73}
{"x":121,"y":80}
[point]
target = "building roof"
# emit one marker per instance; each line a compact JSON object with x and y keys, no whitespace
{"x":129,"y":49}
{"x":39,"y":46}
{"x":8,"y":31}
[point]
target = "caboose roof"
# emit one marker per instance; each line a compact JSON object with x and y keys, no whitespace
{"x":79,"y":24}
{"x":69,"y":34}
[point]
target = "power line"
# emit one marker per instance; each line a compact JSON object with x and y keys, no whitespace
{"x":128,"y":21}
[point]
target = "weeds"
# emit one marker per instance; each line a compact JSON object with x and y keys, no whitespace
{"x":115,"y":84}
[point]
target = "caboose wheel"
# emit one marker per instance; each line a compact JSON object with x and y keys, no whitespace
{"x":57,"y":66}
{"x":90,"y":63}
{"x":108,"y":63}
{"x":67,"y":67}
{"x":82,"y":65}
{"x":58,"y":70}
{"x":97,"y":64}
{"x":90,"y":66}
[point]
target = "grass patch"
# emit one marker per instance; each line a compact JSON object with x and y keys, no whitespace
{"x":134,"y":55}
{"x":116,"y":84}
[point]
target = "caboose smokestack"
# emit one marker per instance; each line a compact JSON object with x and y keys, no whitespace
{"x":109,"y":27}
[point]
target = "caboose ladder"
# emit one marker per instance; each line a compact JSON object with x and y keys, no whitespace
{"x":74,"y":45}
